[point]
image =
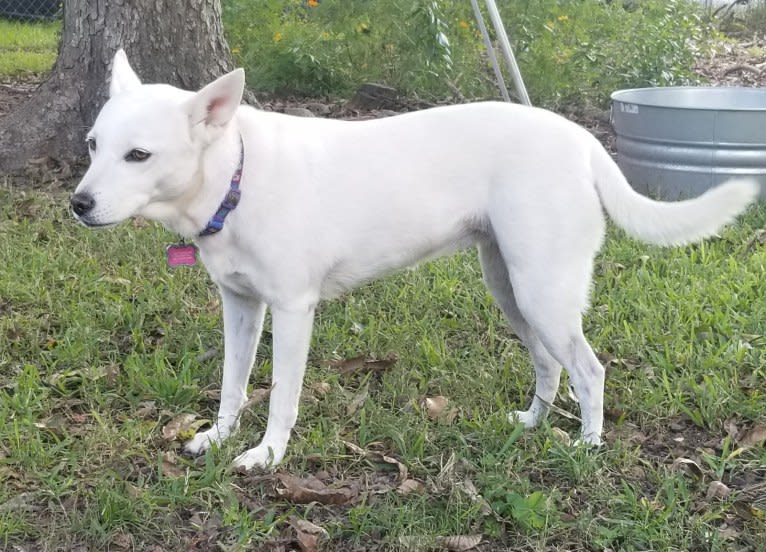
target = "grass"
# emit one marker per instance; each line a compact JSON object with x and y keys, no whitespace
{"x":101,"y":346}
{"x":569,"y":52}
{"x":27,"y":48}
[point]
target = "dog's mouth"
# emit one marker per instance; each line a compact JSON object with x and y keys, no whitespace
{"x":91,"y":224}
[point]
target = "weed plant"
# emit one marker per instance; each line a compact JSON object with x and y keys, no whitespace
{"x":569,"y":51}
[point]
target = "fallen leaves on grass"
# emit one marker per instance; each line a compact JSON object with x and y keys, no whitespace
{"x":358,"y":400}
{"x":688,"y":466}
{"x":363,"y":364}
{"x":754,"y":437}
{"x":122,"y":540}
{"x":182,"y":427}
{"x":458,"y":543}
{"x":310,"y":537}
{"x":256,"y":397}
{"x":321,"y":388}
{"x":170,"y":467}
{"x":470,"y":490}
{"x":375,"y":456}
{"x":146,"y":409}
{"x":410,"y":486}
{"x":436,"y":409}
{"x":561,"y":436}
{"x":310,"y":489}
{"x":717,"y":490}
{"x":23,"y":502}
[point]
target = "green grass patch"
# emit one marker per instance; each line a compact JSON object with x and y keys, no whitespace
{"x":101,"y":346}
{"x":27,"y":48}
{"x":569,"y":51}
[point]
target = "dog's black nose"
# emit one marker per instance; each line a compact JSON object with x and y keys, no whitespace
{"x":81,"y":203}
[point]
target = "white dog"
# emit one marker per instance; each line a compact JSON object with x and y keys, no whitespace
{"x":327,"y":205}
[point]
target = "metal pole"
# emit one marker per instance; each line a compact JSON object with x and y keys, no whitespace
{"x":505,"y":46}
{"x":490,"y":50}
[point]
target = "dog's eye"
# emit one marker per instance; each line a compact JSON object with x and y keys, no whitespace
{"x":137,"y":154}
{"x":91,"y":141}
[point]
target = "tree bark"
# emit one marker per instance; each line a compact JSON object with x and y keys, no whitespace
{"x":179,"y":43}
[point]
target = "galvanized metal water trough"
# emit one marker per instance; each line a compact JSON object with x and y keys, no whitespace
{"x":676,"y":142}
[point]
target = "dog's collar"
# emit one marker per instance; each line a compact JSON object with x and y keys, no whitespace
{"x":230,"y":202}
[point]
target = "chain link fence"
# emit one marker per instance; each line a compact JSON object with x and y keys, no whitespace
{"x":30,"y":10}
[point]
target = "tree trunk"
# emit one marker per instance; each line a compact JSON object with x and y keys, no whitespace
{"x":179,"y":43}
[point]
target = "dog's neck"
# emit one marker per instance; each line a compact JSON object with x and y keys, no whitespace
{"x":189,"y":213}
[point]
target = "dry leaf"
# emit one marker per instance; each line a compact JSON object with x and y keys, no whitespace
{"x":181,"y":427}
{"x":311,"y":489}
{"x":410,"y":486}
{"x":436,"y":409}
{"x":364,"y":364}
{"x":357,"y":402}
{"x":348,"y":365}
{"x":309,"y":536}
{"x":731,"y":428}
{"x":375,"y":456}
{"x":688,"y":466}
{"x":717,"y":489}
{"x":754,"y":437}
{"x":561,"y":436}
{"x":321,"y":388}
{"x":170,"y":467}
{"x":146,"y":409}
{"x":748,"y":512}
{"x":257,"y":396}
{"x":729,"y":533}
{"x":435,"y":406}
{"x":472,"y":492}
{"x":459,"y":543}
{"x":122,"y":540}
{"x":416,"y":542}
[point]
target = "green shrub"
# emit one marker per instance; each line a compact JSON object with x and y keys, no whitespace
{"x":570,"y":51}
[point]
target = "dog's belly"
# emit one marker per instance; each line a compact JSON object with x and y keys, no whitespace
{"x":371,"y":263}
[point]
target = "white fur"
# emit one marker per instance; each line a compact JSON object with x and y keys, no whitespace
{"x":327,"y":205}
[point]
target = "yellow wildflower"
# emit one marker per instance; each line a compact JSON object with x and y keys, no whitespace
{"x":563,"y":17}
{"x":463,"y":24}
{"x":277,"y":36}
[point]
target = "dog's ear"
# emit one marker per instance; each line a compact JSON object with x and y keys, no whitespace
{"x":215,"y":104}
{"x":123,"y":76}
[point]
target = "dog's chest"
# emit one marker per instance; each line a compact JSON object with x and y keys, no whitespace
{"x":232,"y":270}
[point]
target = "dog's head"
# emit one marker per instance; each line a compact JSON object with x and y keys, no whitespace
{"x":146,"y":144}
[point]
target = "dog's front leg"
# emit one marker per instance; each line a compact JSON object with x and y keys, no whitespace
{"x":292,"y":335}
{"x":242,"y":324}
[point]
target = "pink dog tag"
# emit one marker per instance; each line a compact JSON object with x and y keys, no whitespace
{"x":181,"y":254}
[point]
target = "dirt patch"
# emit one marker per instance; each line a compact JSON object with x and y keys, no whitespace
{"x":13,"y":93}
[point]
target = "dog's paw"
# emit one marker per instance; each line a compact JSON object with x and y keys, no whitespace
{"x":527,"y":418}
{"x":203,"y":440}
{"x":262,"y":457}
{"x":591,"y":440}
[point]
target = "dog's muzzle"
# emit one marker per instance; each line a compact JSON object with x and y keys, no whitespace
{"x":82,"y":204}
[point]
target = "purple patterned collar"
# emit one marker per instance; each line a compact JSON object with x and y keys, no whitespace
{"x":230,"y":201}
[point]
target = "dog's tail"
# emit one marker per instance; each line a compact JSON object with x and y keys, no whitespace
{"x":668,"y":223}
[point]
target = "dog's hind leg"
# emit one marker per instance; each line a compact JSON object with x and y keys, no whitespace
{"x":547,"y":370}
{"x":552,"y":295}
{"x":242,"y":324}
